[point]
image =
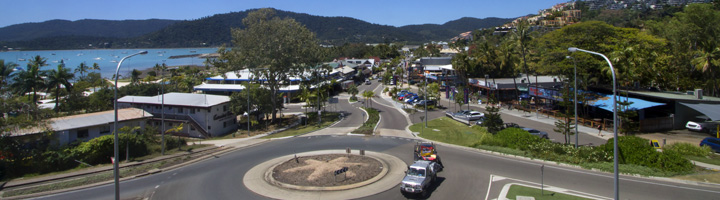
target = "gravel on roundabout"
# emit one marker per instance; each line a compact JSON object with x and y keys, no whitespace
{"x":260,"y":178}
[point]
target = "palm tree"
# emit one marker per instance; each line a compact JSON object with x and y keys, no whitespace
{"x":5,"y":70}
{"x":368,"y":96}
{"x":61,"y":76}
{"x":522,"y":37}
{"x":95,"y":66}
{"x":708,"y":62}
{"x":82,"y":68}
{"x":135,"y":76}
{"x":30,"y":80}
{"x":353,"y":90}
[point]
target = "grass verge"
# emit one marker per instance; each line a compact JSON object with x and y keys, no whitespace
{"x":450,"y":131}
{"x":328,"y":118}
{"x":100,"y":177}
{"x":518,"y":190}
{"x":369,"y":126}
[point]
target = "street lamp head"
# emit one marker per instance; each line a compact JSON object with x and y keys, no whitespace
{"x":572,"y":49}
{"x":143,"y":52}
{"x":568,"y":57}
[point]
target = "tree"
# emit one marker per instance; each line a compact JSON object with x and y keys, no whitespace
{"x":563,"y":125}
{"x":58,"y":77}
{"x":522,"y":37}
{"x":6,"y":68}
{"x":82,"y":69}
{"x":30,"y":79}
{"x":258,"y":107}
{"x":135,"y":76}
{"x":433,"y":92}
{"x":460,"y":97}
{"x":492,"y":121}
{"x":353,"y":90}
{"x":273,"y":49}
{"x":368,"y":97}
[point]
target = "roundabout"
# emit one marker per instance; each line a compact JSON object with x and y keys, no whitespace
{"x":313,"y":175}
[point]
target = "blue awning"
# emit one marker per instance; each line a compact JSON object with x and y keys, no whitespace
{"x":605,"y":102}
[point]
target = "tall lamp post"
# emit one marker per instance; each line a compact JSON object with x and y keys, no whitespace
{"x":575,"y":102}
{"x":116,"y":173}
{"x":615,"y":136}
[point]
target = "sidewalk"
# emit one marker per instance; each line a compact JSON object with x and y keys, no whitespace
{"x":530,"y":116}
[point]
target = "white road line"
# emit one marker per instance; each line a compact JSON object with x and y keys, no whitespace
{"x":600,"y":175}
{"x":488,"y":190}
{"x":157,"y":186}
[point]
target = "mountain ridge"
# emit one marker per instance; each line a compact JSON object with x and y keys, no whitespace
{"x":215,"y":31}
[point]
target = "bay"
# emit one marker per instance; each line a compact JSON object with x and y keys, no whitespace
{"x":108,"y":59}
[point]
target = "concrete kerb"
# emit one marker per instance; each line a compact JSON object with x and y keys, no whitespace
{"x":342,"y":117}
{"x":554,"y":163}
{"x":154,"y":171}
{"x":255,"y":180}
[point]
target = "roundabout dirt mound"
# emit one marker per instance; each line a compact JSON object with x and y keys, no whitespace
{"x":319,"y":170}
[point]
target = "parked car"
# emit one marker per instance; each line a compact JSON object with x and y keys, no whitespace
{"x":402,"y":93}
{"x":713,"y":143}
{"x":511,"y":125}
{"x":480,"y":121}
{"x":367,"y":82}
{"x":422,"y":102}
{"x":535,"y":132}
{"x":703,"y":124}
{"x":409,"y":94}
{"x":411,"y":99}
{"x":474,"y":115}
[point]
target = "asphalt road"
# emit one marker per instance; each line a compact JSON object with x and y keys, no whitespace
{"x":466,"y":175}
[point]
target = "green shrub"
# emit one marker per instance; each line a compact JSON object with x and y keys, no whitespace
{"x":688,"y":149}
{"x":100,"y":149}
{"x":517,"y":138}
{"x":637,"y":151}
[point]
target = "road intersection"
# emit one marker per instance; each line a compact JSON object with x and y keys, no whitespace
{"x":470,"y":173}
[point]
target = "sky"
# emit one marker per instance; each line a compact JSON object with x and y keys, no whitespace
{"x":384,"y":12}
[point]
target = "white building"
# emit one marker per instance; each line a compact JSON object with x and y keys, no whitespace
{"x":202,"y":115}
{"x":85,"y":127}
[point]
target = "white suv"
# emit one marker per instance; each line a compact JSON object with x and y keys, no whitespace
{"x":702,"y":124}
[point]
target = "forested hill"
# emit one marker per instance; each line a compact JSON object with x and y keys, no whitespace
{"x":215,"y":30}
{"x":85,"y":27}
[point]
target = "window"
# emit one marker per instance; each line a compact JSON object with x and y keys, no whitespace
{"x":225,"y":108}
{"x":209,"y":127}
{"x":82,"y":133}
{"x":192,"y":111}
{"x":192,"y":128}
{"x":180,"y":110}
{"x":224,"y":124}
{"x":105,"y":129}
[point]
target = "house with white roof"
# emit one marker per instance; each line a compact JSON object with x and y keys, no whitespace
{"x":85,"y":127}
{"x":201,"y":115}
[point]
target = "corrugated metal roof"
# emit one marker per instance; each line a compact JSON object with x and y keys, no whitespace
{"x":675,"y":96}
{"x":88,"y":120}
{"x":179,"y":99}
{"x":237,"y":87}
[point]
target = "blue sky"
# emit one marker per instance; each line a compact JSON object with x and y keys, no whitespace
{"x":386,"y":12}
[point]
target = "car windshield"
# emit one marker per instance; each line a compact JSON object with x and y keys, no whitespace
{"x":416,"y":172}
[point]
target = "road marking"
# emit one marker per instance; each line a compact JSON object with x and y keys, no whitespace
{"x":174,"y":173}
{"x":595,"y":174}
{"x":157,"y":186}
{"x":489,"y":184}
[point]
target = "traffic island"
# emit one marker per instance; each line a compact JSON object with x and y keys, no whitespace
{"x":313,"y":175}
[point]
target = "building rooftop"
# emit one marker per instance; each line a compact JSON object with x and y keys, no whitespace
{"x":179,"y":99}
{"x":86,"y":120}
{"x":676,"y":96}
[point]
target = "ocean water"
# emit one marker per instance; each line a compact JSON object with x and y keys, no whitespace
{"x":108,"y":58}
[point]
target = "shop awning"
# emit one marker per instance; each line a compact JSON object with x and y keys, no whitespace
{"x":710,"y":110}
{"x":605,"y":102}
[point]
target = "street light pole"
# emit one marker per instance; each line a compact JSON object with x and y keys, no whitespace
{"x":575,"y":88}
{"x":427,"y":96}
{"x":116,"y":172}
{"x":615,"y":136}
{"x":162,"y":108}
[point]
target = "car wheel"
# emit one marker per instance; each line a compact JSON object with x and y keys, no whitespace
{"x":545,"y":137}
